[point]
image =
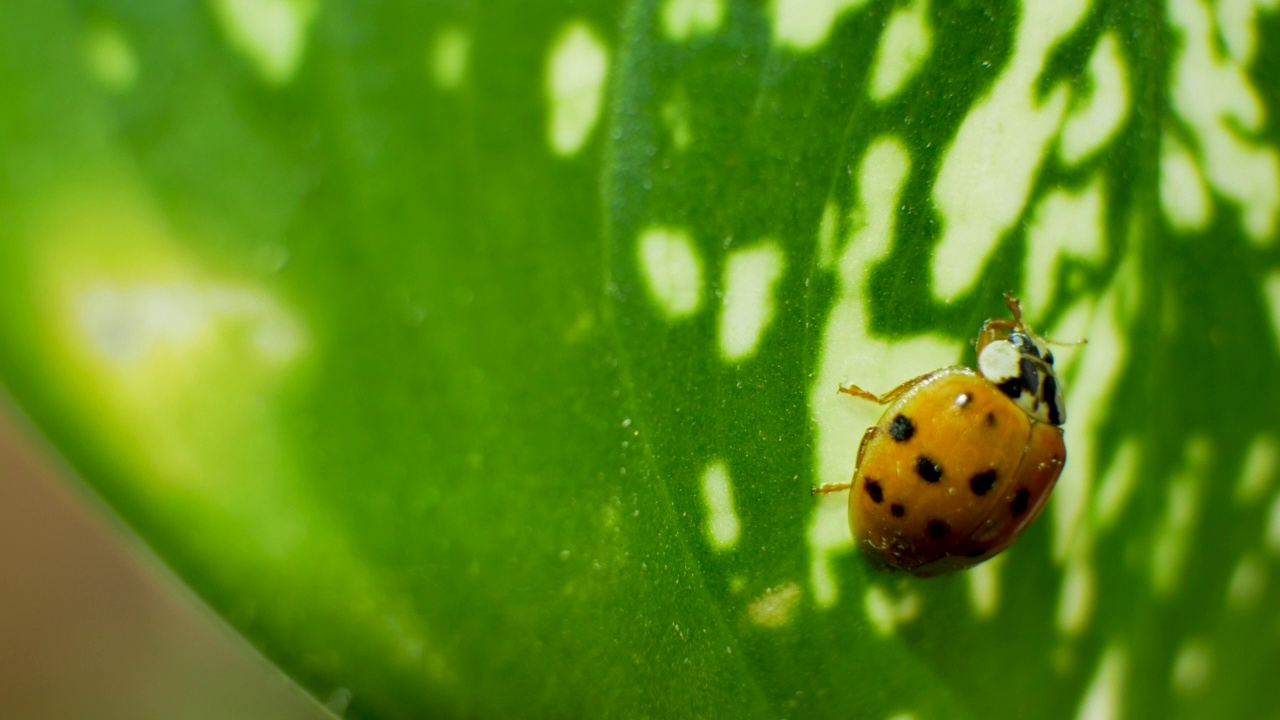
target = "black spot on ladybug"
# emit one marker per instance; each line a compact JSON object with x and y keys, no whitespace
{"x":977,"y":552}
{"x":1030,"y":375}
{"x":1051,"y":399}
{"x":1048,"y":357}
{"x":902,"y":428}
{"x":1011,"y":387}
{"x":928,"y":470}
{"x":938,"y":529}
{"x":1020,"y":500}
{"x":981,"y":483}
{"x":991,"y":419}
{"x":874,"y":491}
{"x":897,"y":510}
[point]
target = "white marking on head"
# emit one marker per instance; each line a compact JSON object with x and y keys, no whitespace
{"x":999,"y":361}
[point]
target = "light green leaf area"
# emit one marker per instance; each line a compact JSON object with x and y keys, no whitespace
{"x":477,"y":359}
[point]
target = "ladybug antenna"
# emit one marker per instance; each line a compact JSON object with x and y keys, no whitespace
{"x":1015,"y":308}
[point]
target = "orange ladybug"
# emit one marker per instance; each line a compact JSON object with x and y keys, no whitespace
{"x":961,"y":461}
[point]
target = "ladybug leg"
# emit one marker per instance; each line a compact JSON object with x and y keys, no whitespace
{"x":866,"y":438}
{"x":829,"y":488}
{"x":886,"y":398}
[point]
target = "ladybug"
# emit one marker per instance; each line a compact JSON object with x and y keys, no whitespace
{"x":961,"y":461}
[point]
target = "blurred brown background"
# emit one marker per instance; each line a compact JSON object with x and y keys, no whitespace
{"x":92,"y":625}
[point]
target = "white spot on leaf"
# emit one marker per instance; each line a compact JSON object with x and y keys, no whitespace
{"x":269,"y":33}
{"x":775,"y":608}
{"x":1094,"y":120}
{"x":110,"y":57}
{"x":749,"y":280}
{"x":672,"y":270}
{"x":1075,"y":604}
{"x":576,"y":72}
{"x":449,"y":57}
{"x":885,"y":612}
{"x":1248,"y":582}
{"x":682,"y":19}
{"x":904,"y":46}
{"x":1116,"y":486}
{"x":1182,"y":509}
{"x":1191,"y":667}
{"x":988,"y":171}
{"x":1064,"y":224}
{"x":1213,"y":95}
{"x":1104,"y":698}
{"x":805,"y":24}
{"x":1183,"y":196}
{"x":851,"y":354}
{"x":984,"y":587}
{"x":722,"y":521}
{"x":1260,"y":465}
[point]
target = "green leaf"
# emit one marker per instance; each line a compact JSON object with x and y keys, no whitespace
{"x":477,"y":360}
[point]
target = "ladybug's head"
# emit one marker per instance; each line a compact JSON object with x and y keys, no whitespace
{"x":1022,"y":367}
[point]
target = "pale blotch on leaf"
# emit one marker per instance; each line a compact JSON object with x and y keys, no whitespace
{"x":1094,"y":369}
{"x":577,"y":68}
{"x":851,"y":354}
{"x":1214,"y":96}
{"x":776,"y":607}
{"x":717,"y":493}
{"x":806,"y":24}
{"x":984,"y":587}
{"x":110,"y":58}
{"x":449,"y":56}
{"x":1181,"y":512}
{"x":827,"y":236}
{"x":672,"y":271}
{"x":675,"y":115}
{"x":887,"y":613}
{"x":988,"y":171}
{"x":1236,"y":21}
{"x":271,"y":34}
{"x":1094,"y":119}
{"x":1191,"y":667}
{"x":1064,"y":224}
{"x":1077,"y":596}
{"x":1271,"y":293}
{"x":902,"y":716}
{"x":750,"y":277}
{"x":1273,"y":527}
{"x":1116,"y":486}
{"x":1260,"y":465}
{"x":1248,"y":583}
{"x":682,"y":19}
{"x":1183,"y":195}
{"x":904,"y":46}
{"x":1104,"y":697}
